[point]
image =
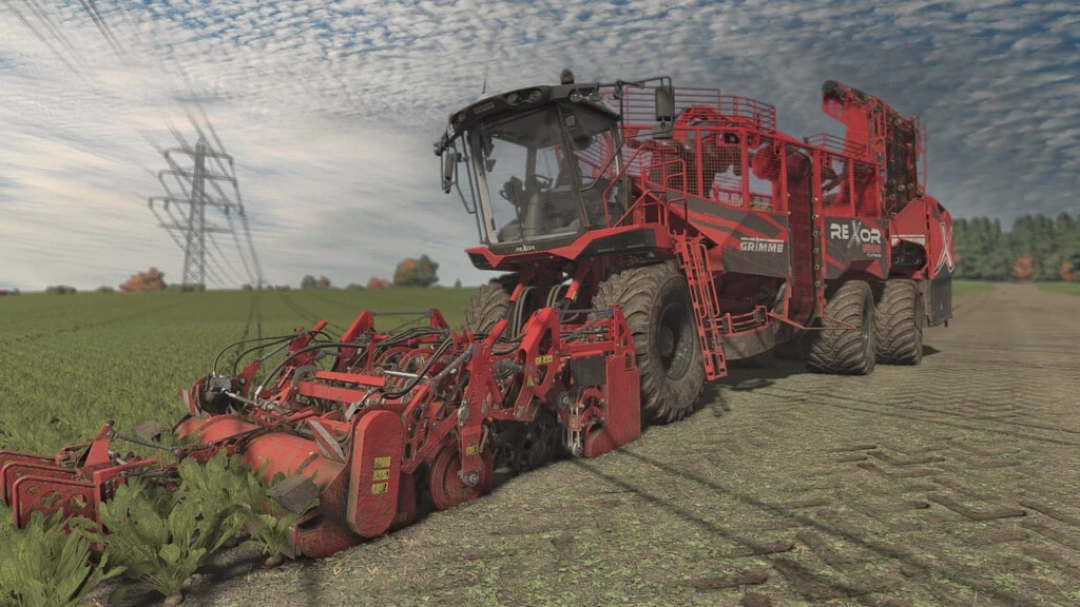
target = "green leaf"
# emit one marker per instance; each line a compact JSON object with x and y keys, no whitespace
{"x":171,"y":554}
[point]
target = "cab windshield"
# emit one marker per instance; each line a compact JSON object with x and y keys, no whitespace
{"x":530,"y":188}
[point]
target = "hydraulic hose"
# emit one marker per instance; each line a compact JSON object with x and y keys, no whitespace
{"x":274,"y":339}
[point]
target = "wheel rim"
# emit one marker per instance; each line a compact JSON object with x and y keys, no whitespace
{"x":444,"y":484}
{"x":675,"y":340}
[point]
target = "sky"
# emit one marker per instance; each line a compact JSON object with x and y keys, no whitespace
{"x":331,"y":109}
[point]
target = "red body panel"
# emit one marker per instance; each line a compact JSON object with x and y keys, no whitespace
{"x":375,"y":473}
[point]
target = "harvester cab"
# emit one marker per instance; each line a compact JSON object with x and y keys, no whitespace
{"x":539,"y":165}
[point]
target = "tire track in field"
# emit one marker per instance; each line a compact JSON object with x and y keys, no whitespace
{"x":305,"y":314}
{"x":972,"y":422}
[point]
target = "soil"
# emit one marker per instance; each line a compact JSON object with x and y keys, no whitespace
{"x":951,"y":483}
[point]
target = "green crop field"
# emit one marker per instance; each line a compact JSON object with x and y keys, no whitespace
{"x":68,"y":363}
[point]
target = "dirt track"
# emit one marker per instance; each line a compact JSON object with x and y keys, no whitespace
{"x":951,"y":483}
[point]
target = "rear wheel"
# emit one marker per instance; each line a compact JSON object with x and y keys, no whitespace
{"x":900,"y":316}
{"x":844,"y":351}
{"x":656,"y":303}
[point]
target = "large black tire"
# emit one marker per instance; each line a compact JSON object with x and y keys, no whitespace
{"x":900,"y":318}
{"x":490,"y":304}
{"x":656,"y":303}
{"x":845,"y":351}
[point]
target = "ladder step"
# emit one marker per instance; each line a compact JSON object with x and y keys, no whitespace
{"x":706,"y":306}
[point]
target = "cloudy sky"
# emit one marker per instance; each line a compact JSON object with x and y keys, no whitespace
{"x":331,"y":108}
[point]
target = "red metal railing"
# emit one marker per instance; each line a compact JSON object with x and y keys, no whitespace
{"x":835,"y":144}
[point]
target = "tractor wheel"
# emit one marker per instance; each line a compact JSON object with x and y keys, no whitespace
{"x":656,"y":302}
{"x":490,"y":304}
{"x":844,"y":351}
{"x":900,"y":319}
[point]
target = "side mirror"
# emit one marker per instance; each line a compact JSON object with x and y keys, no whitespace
{"x":665,"y":113}
{"x":449,"y":167}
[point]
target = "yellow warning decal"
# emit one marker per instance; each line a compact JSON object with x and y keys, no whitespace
{"x":381,"y":475}
{"x":529,"y":381}
{"x":377,"y":488}
{"x":382,"y":462}
{"x":471,"y":449}
{"x":545,"y":359}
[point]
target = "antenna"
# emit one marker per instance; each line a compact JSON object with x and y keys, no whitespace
{"x":483,"y":91}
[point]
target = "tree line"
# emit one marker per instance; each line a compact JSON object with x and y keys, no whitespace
{"x":418,"y":272}
{"x":1036,"y":248}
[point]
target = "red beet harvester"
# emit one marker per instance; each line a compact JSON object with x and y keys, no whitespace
{"x":645,"y":236}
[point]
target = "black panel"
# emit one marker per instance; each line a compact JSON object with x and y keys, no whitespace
{"x":590,"y":371}
{"x":624,"y":242}
{"x":479,"y":261}
{"x":939,"y":308}
{"x":849,"y":240}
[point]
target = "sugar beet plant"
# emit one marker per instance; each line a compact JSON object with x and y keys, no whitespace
{"x":161,"y":536}
{"x":46,"y":566}
{"x":151,"y":533}
{"x":267,"y":522}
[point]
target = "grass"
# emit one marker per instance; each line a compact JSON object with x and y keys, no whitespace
{"x":964,"y":288}
{"x":1067,"y":288}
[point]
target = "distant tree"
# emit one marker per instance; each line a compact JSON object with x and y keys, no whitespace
{"x":323,"y":283}
{"x":308,"y":282}
{"x":354,"y":286}
{"x":1070,"y":272}
{"x":60,"y":290}
{"x":1047,"y":249}
{"x":151,"y":280}
{"x":378,"y":284}
{"x":457,"y":284}
{"x":421,"y":272}
{"x":106,"y":289}
{"x":247,"y":287}
{"x":1024,"y":268}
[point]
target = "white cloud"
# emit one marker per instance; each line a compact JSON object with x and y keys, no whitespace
{"x":331,"y":107}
